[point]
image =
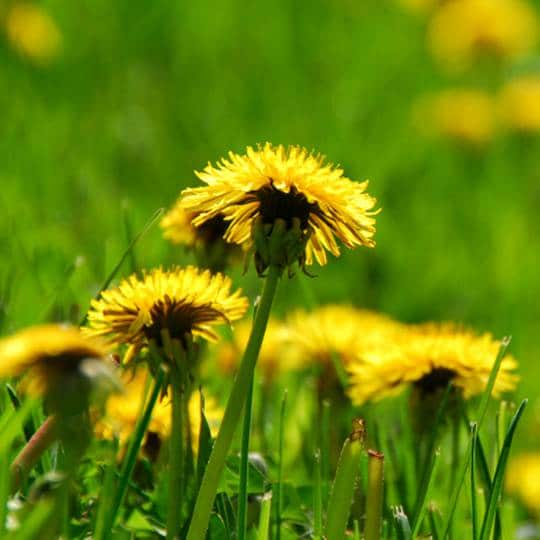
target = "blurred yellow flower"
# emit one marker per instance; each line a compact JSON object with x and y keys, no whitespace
{"x":276,"y":355}
{"x":462,"y":31}
{"x":187,"y":302}
{"x":463,"y":115}
{"x":340,"y":330}
{"x":429,"y":357}
{"x":523,"y":480}
{"x":178,"y":228}
{"x":123,"y":410}
{"x":273,"y":183}
{"x":519,"y":104}
{"x":32,"y":32}
{"x":50,"y":356}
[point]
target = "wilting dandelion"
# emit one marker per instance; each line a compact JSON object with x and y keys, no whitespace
{"x":429,"y":357}
{"x":519,"y":104}
{"x":312,"y":199}
{"x":462,"y":31}
{"x":523,"y":480}
{"x":33,"y":32}
{"x":464,"y":115}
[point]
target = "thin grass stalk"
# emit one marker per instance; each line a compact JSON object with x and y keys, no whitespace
{"x":374,"y":496}
{"x":325,"y":450}
{"x":474,"y":509}
{"x":106,"y":495}
{"x":244,"y":469}
{"x":481,"y":414}
{"x":498,"y":477}
{"x":425,"y":491}
{"x":317,"y":499}
{"x":233,"y":411}
{"x":4,"y":491}
{"x":133,"y":449}
{"x":279,"y":501}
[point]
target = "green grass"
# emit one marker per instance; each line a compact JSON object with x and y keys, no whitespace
{"x":93,"y":146}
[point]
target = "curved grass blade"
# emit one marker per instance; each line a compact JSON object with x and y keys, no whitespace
{"x":155,"y":216}
{"x":498,"y":478}
{"x":474,"y":510}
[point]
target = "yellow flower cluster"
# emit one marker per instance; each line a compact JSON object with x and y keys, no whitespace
{"x":519,"y":104}
{"x":461,"y":31}
{"x":32,"y":32}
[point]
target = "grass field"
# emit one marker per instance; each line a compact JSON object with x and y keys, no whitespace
{"x":107,"y":110}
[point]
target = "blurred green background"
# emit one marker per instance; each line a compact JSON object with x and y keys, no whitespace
{"x":139,"y":94}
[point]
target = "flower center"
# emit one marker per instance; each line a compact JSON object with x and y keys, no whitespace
{"x":437,"y":379}
{"x":179,"y":318}
{"x":276,"y":204}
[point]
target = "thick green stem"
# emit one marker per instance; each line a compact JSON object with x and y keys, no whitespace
{"x":244,"y":469}
{"x":374,"y":496}
{"x":176,"y":457}
{"x":233,"y":411}
{"x":32,"y":451}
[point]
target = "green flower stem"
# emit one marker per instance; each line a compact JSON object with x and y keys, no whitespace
{"x":244,"y":469}
{"x":32,"y":451}
{"x":374,"y":496}
{"x":233,"y":411}
{"x":133,"y":450}
{"x":176,"y":454}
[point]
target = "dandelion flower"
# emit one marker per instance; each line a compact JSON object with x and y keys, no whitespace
{"x":523,"y":480}
{"x":186,"y":302}
{"x":463,"y":30}
{"x":57,"y":362}
{"x":290,"y":185}
{"x":463,"y":115}
{"x":33,"y":33}
{"x":428,"y":357}
{"x":519,"y":104}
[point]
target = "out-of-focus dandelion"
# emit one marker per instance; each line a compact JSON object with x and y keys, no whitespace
{"x":519,"y":104}
{"x":311,"y":200}
{"x":67,"y":369}
{"x":33,"y":32}
{"x":462,"y":31}
{"x":211,"y":250}
{"x":429,"y":357}
{"x":523,"y":480}
{"x":466,"y":116}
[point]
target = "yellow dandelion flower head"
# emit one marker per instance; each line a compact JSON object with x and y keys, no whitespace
{"x":276,"y":355}
{"x":340,"y":330}
{"x":32,"y":32}
{"x":122,"y":410}
{"x":519,"y":104}
{"x":276,"y":183}
{"x":213,"y":413}
{"x":48,"y":354}
{"x":463,"y":30}
{"x":464,"y":115}
{"x":523,"y":480}
{"x":429,"y":357}
{"x":186,"y":302}
{"x":177,"y":225}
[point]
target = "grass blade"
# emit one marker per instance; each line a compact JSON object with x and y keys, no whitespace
{"x":279,"y":492}
{"x":317,"y":499}
{"x":498,"y":477}
{"x":342,"y":492}
{"x":264,"y":520}
{"x":401,"y":523}
{"x":474,"y":510}
{"x":374,"y":496}
{"x":155,"y":216}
